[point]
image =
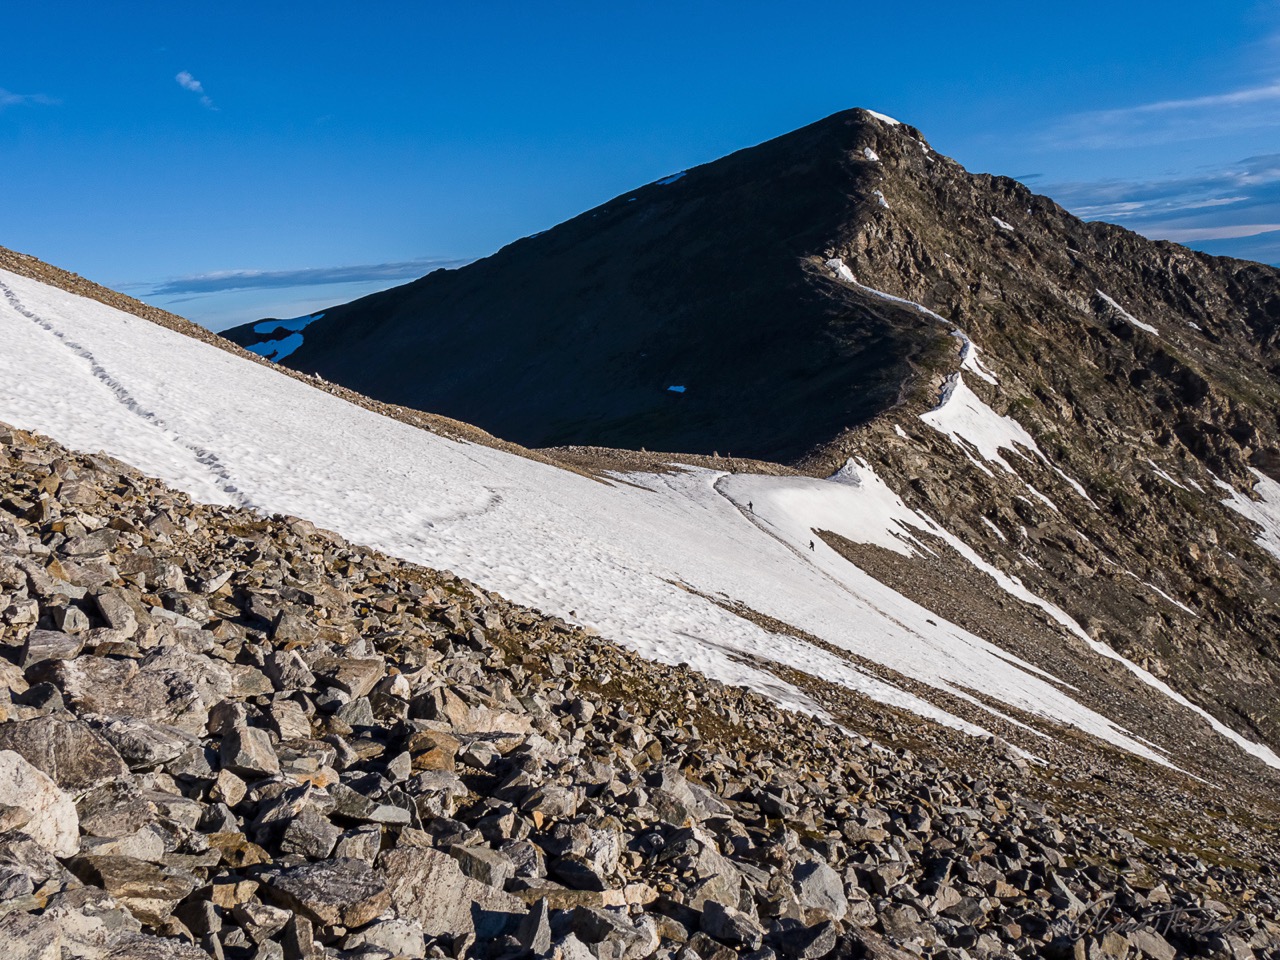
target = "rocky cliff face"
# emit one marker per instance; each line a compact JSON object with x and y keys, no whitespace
{"x":1145,"y":372}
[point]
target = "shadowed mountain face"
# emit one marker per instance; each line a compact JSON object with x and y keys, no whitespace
{"x":575,"y":336}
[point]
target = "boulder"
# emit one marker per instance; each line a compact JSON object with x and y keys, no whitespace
{"x":68,"y":751}
{"x":429,"y":886}
{"x":332,"y":892}
{"x":53,"y":822}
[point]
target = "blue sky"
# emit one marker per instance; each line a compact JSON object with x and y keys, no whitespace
{"x":233,"y":161}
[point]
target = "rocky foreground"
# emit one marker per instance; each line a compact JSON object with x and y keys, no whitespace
{"x":234,"y":736}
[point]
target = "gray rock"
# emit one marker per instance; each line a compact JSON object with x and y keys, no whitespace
{"x":44,"y":645}
{"x":310,"y":835}
{"x":140,"y":946}
{"x":144,"y":744}
{"x":116,"y":611}
{"x":288,"y":671}
{"x":820,"y":891}
{"x":627,"y":937}
{"x":53,"y":821}
{"x":429,"y":886}
{"x":399,"y":938}
{"x":339,"y":891}
{"x":534,"y":932}
{"x":483,"y":864}
{"x":731,"y":926}
{"x":260,"y":921}
{"x":248,"y":752}
{"x":148,"y":890}
{"x":114,"y":809}
{"x":68,"y":751}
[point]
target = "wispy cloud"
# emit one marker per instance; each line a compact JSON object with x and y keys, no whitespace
{"x":1171,"y":121}
{"x":187,"y":82}
{"x":225,"y":280}
{"x":10,"y":99}
{"x":1236,"y":232}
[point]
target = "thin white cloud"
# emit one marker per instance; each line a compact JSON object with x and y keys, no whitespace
{"x":1213,"y":233}
{"x":1171,"y":121}
{"x":1236,"y":204}
{"x":10,"y":99}
{"x":1235,"y":98}
{"x":306,"y":277}
{"x":187,"y":82}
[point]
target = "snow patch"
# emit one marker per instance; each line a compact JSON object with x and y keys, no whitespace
{"x":974,"y":426}
{"x":962,"y":416}
{"x":897,"y":428}
{"x":969,"y":357}
{"x":1154,"y":589}
{"x":1002,"y":224}
{"x":871,"y":154}
{"x":1164,"y":476}
{"x":1265,"y":511}
{"x":675,"y":389}
{"x":837,"y":265}
{"x":667,"y":181}
{"x":879,"y":195}
{"x":1127,"y":315}
{"x":995,"y":529}
{"x":885,"y":118}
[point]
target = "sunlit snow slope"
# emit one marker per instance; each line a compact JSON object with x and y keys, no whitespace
{"x":629,"y":559}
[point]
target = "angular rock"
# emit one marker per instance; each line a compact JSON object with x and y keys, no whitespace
{"x":481,"y":863}
{"x":53,"y":822}
{"x":148,"y":890}
{"x":429,"y":886}
{"x":68,"y":751}
{"x":820,"y":891}
{"x":44,"y":645}
{"x":248,"y":752}
{"x":145,"y":745}
{"x":339,"y":891}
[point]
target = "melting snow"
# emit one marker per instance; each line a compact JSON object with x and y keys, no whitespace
{"x":969,"y":357}
{"x":1152,"y":587}
{"x":879,"y":195}
{"x":1265,"y":511}
{"x":837,"y":265}
{"x":870,"y":154}
{"x":963,"y":417}
{"x":1002,"y":224}
{"x":974,"y":426}
{"x":620,"y":556}
{"x":1127,"y":315}
{"x":885,"y":118}
{"x":897,"y":428}
{"x":1164,"y":476}
{"x":994,"y":529}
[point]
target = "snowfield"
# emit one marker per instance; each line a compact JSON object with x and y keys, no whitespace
{"x":638,"y":561}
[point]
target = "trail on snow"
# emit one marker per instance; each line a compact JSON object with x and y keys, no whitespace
{"x":209,"y":460}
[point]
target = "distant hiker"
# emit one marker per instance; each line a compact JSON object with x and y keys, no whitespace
{"x":810,"y":544}
{"x":751,"y":507}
